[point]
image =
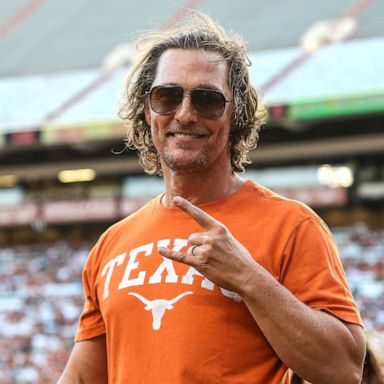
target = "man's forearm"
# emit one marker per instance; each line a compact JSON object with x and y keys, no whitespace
{"x":87,"y":363}
{"x":316,"y":345}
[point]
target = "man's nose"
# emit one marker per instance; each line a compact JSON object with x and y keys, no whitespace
{"x":186,"y":113}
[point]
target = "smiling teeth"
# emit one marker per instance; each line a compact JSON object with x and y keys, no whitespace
{"x":184,"y":135}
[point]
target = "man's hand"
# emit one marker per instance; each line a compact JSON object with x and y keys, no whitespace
{"x":215,"y":252}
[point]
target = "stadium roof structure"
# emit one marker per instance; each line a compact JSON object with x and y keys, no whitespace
{"x":51,"y":73}
{"x":40,"y":36}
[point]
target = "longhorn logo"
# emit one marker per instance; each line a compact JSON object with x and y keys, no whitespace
{"x":158,"y":306}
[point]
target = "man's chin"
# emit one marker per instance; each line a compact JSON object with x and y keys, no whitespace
{"x":186,"y":164}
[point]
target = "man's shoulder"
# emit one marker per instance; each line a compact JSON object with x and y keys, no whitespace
{"x":124,"y":225}
{"x":267,"y":200}
{"x":145,"y":210}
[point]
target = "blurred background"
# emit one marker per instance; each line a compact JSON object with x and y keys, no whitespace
{"x":65,"y":177}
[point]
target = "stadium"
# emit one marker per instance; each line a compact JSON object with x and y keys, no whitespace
{"x":66,"y":175}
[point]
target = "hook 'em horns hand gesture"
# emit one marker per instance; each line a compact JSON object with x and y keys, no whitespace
{"x":215,"y":253}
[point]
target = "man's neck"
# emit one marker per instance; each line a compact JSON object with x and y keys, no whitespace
{"x":199,"y":187}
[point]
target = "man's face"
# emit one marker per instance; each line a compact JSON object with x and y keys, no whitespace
{"x":185,"y":140}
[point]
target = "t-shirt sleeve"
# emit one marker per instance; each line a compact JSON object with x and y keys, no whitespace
{"x":312,"y":271}
{"x":91,"y":323}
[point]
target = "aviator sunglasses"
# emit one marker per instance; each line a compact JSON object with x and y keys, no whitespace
{"x":208,"y":103}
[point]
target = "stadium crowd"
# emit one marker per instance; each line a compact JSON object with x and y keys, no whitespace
{"x":41,"y":298}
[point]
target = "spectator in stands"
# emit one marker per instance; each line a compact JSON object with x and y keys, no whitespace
{"x":218,"y":279}
{"x":37,"y":321}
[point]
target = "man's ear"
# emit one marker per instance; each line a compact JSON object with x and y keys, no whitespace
{"x":147,"y":113}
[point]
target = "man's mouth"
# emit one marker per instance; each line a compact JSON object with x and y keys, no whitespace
{"x":186,"y":135}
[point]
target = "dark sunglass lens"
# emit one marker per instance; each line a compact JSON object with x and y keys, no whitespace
{"x":208,"y":103}
{"x":165,"y":99}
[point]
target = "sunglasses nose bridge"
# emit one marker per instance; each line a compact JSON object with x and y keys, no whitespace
{"x":182,"y":108}
{"x":183,"y":96}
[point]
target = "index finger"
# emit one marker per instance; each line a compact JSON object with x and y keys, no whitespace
{"x":205,"y":220}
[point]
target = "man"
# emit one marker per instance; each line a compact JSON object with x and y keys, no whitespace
{"x":218,"y":280}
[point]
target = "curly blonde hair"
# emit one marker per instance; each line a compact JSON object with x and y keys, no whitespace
{"x":197,"y":32}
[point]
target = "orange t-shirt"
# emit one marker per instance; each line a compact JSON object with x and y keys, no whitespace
{"x":167,"y":324}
